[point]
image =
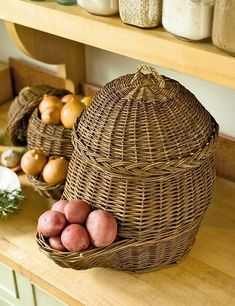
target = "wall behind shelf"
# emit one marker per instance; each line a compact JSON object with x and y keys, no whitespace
{"x":103,"y":66}
{"x":8,"y":49}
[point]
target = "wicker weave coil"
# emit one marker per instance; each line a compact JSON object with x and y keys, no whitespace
{"x":23,"y":106}
{"x":46,"y":190}
{"x":55,"y":140}
{"x":128,"y":254}
{"x":144,"y":150}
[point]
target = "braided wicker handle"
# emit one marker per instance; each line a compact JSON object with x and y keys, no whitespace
{"x":152,"y":71}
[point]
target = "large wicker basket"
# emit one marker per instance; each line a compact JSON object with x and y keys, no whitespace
{"x":23,"y":106}
{"x":55,"y":140}
{"x":143,"y":151}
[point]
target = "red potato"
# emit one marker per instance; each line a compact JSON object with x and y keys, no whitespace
{"x":102,"y":228}
{"x":56,"y":244}
{"x":59,"y":205}
{"x":75,"y":238}
{"x":51,"y":223}
{"x":76,"y":211}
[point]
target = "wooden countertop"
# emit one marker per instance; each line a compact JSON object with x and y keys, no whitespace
{"x":205,"y":277}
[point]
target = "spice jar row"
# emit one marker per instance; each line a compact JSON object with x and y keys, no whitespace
{"x":186,"y":19}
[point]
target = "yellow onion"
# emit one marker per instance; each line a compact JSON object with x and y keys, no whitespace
{"x":69,"y":97}
{"x":55,"y":170}
{"x":48,"y":101}
{"x":87,"y":100}
{"x":51,"y":115}
{"x":33,"y":161}
{"x":70,"y":112}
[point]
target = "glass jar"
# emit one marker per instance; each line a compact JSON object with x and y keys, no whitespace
{"x":100,"y":7}
{"x":223,"y":34}
{"x":141,"y":13}
{"x":188,"y":19}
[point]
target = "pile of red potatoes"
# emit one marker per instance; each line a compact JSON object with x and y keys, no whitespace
{"x":73,"y":226}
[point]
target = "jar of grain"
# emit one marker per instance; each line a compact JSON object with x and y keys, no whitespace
{"x":188,"y":19}
{"x":141,"y":13}
{"x":100,"y":7}
{"x":223,"y":34}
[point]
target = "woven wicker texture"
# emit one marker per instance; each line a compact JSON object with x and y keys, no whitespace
{"x":22,"y":108}
{"x":128,"y":254}
{"x":144,"y":150}
{"x":55,"y":140}
{"x":46,"y":190}
{"x":149,"y":159}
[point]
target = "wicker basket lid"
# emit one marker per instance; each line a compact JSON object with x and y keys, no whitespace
{"x":144,"y":118}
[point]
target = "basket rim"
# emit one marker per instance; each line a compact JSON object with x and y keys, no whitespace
{"x":121,"y":244}
{"x":23,"y":106}
{"x":35,"y":121}
{"x":161,"y":169}
{"x":43,"y":185}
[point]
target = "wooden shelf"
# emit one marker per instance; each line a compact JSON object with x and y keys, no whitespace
{"x":153,"y":46}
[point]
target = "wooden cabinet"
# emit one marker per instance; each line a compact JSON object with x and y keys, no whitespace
{"x":16,"y":290}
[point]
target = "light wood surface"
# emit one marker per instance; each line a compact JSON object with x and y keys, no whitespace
{"x":153,"y":46}
{"x":69,"y":56}
{"x":225,"y":161}
{"x":24,"y":74}
{"x":205,"y":277}
{"x":5,"y":83}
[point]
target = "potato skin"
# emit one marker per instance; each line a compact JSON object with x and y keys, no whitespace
{"x":56,"y":244}
{"x":77,"y":211}
{"x":102,"y":228}
{"x":75,"y":238}
{"x":51,"y":223}
{"x":59,"y":206}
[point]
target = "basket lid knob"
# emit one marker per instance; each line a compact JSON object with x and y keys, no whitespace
{"x":155,"y":77}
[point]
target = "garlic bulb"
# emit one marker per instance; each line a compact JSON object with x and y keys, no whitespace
{"x":10,"y":158}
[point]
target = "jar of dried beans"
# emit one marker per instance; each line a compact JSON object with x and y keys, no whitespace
{"x":223,"y":34}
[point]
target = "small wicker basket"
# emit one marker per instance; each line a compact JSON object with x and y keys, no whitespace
{"x":144,"y":151}
{"x":23,"y":106}
{"x":46,"y":190}
{"x":55,"y":140}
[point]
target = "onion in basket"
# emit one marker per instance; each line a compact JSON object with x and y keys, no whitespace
{"x":49,"y":101}
{"x":55,"y":170}
{"x":33,"y":161}
{"x":51,"y":115}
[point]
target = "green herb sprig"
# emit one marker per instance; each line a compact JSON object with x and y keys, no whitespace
{"x":10,"y":202}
